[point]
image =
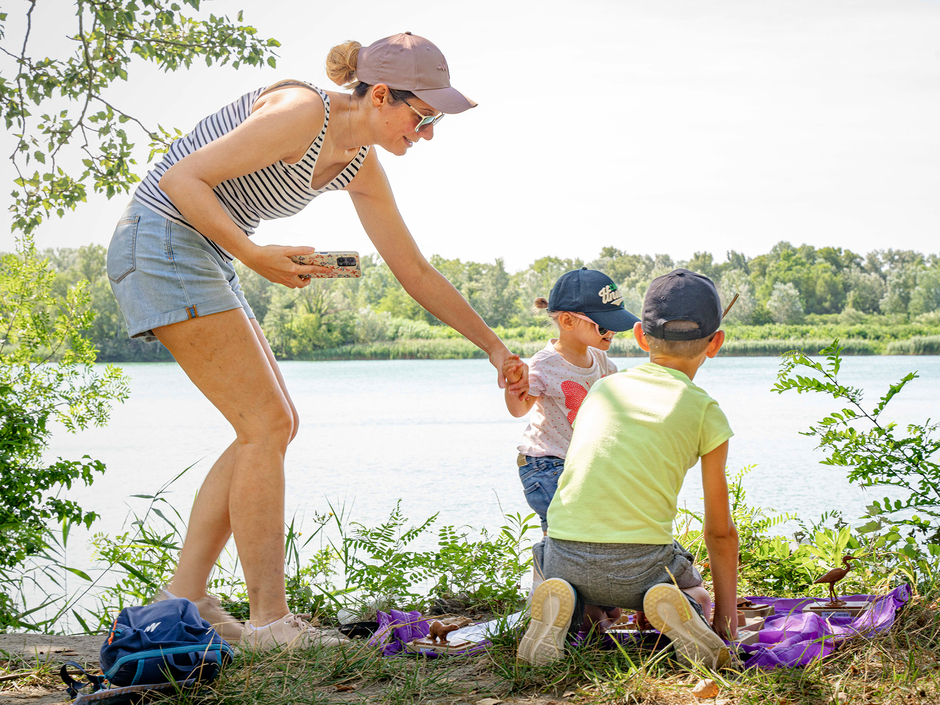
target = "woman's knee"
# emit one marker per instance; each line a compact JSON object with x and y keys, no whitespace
{"x":295,"y":427}
{"x":274,"y":423}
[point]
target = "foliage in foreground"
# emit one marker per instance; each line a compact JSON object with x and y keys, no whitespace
{"x":875,"y":455}
{"x":59,"y":111}
{"x":36,"y":325}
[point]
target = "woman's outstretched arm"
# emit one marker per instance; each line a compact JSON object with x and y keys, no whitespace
{"x":375,"y":204}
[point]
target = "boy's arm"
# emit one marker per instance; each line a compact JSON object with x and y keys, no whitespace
{"x":721,"y":539}
{"x":517,"y":396}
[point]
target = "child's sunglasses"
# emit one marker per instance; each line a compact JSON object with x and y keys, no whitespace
{"x":600,"y":331}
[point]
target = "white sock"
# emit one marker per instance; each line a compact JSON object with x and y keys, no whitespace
{"x":266,"y":626}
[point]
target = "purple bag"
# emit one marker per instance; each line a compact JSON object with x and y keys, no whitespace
{"x":398,"y":628}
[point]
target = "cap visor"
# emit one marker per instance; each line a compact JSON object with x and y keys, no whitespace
{"x":620,"y":320}
{"x":446,"y":100}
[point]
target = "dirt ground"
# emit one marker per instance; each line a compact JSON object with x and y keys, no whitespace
{"x":35,"y":651}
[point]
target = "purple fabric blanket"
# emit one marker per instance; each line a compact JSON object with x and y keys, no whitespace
{"x":791,"y":637}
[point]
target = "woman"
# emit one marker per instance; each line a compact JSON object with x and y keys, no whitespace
{"x":267,"y":155}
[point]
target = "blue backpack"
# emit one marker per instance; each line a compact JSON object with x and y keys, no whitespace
{"x":166,"y":642}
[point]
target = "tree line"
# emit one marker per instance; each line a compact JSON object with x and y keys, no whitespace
{"x":788,"y":285}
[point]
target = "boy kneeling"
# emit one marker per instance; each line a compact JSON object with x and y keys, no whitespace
{"x":610,"y":523}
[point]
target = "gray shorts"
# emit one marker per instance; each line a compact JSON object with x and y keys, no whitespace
{"x":615,"y":573}
{"x":163,"y":273}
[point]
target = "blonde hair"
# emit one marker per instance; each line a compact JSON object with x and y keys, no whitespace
{"x":685,"y":349}
{"x":341,"y":63}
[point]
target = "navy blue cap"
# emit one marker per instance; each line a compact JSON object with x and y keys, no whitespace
{"x":595,"y":295}
{"x":681,"y":295}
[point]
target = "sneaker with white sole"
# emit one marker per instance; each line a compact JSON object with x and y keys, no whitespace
{"x":289,"y":632}
{"x":668,"y":610}
{"x":210,"y":609}
{"x":553,"y":603}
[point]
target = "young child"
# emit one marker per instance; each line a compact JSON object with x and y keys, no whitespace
{"x":587,"y":311}
{"x":610,"y":523}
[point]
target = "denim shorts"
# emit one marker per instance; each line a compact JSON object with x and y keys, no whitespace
{"x":162,"y":273}
{"x":615,"y":573}
{"x":540,"y":480}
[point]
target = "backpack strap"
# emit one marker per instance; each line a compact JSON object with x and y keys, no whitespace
{"x":73,"y":686}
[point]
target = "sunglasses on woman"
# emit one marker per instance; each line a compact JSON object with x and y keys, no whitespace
{"x":426,"y":120}
{"x":600,"y":331}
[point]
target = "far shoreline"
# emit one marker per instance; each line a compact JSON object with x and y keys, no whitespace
{"x":460,"y":349}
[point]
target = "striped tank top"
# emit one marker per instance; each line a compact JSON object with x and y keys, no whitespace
{"x":276,"y":191}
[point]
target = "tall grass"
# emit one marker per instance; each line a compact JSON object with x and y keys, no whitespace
{"x":918,"y":345}
{"x":776,"y":347}
{"x":736,"y":345}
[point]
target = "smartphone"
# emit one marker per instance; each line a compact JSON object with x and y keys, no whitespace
{"x":342,"y":264}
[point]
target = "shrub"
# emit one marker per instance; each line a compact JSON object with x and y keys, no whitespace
{"x":876,"y":455}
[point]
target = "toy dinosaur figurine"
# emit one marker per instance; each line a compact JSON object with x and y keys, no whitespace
{"x":440,"y":631}
{"x":834,"y":576}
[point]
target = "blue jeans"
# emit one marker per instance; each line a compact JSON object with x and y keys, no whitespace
{"x":540,"y":480}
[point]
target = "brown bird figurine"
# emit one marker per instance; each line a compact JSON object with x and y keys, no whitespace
{"x":834,"y":576}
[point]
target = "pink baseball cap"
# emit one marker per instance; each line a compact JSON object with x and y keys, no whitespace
{"x":408,"y":62}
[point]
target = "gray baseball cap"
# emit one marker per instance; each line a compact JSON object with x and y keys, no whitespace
{"x":408,"y":62}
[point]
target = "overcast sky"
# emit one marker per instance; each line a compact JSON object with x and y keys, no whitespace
{"x":655,"y":127}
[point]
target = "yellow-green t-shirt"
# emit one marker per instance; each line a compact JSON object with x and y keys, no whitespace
{"x":635,"y":436}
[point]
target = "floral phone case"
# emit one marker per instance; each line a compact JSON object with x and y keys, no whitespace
{"x":345,"y":265}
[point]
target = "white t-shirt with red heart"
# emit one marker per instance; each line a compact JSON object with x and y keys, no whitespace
{"x":560,"y":387}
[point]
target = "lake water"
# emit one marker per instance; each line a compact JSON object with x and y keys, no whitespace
{"x":436,"y":435}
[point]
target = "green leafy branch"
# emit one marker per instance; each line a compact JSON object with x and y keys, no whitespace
{"x":855,"y":438}
{"x":57,"y":110}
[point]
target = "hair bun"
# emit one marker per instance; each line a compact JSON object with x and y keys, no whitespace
{"x":341,"y":63}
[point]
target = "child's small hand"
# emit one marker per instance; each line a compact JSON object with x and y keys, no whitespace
{"x":512,"y":368}
{"x":517,"y":375}
{"x":642,"y":623}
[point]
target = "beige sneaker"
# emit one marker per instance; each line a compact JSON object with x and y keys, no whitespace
{"x":553,"y":604}
{"x":289,"y":632}
{"x":210,"y":609}
{"x":694,"y":641}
